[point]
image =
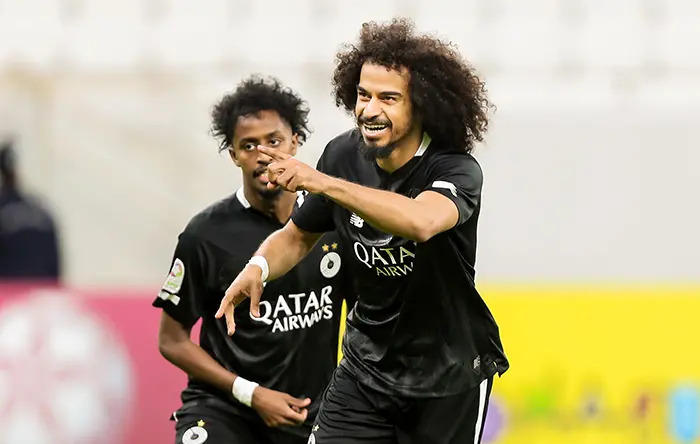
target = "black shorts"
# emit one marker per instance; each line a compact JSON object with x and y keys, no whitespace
{"x":352,"y":413}
{"x":207,"y":425}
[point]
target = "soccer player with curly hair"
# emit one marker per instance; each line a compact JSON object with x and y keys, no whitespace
{"x":265,"y":384}
{"x":403,"y":191}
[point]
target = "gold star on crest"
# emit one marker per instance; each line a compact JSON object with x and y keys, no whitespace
{"x":325,"y":248}
{"x":200,"y":423}
{"x":315,"y":429}
{"x":334,"y":245}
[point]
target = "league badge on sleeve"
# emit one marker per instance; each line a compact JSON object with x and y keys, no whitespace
{"x":330,"y":262}
{"x":174,"y":281}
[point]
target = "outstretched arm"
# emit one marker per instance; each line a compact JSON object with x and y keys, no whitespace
{"x":278,"y":254}
{"x":285,"y":248}
{"x":418,"y":219}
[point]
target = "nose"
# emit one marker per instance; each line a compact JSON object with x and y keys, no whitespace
{"x":264,"y":159}
{"x":373,"y":109}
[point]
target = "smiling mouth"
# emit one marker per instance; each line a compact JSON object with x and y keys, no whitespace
{"x":374,"y":129}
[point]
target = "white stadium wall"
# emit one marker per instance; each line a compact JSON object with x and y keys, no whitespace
{"x":590,"y":164}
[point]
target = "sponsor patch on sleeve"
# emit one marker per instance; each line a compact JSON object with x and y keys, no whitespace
{"x":173,"y":283}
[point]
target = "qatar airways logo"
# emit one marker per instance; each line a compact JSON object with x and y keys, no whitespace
{"x":394,"y":261}
{"x":297,"y":310}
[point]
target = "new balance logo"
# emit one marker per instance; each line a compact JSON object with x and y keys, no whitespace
{"x":356,"y":220}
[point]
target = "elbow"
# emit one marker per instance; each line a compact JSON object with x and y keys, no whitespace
{"x":424,"y":230}
{"x":431,"y":222}
{"x":422,"y":236}
{"x":165,"y":347}
{"x":171,"y":337}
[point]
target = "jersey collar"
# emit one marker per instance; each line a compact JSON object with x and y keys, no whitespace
{"x":241,"y":198}
{"x":423,"y":145}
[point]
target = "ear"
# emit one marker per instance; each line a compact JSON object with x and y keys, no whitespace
{"x":295,"y":144}
{"x":232,"y":153}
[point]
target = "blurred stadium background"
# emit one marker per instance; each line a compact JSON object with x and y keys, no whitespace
{"x":589,"y":247}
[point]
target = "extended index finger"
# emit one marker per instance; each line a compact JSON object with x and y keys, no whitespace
{"x":274,"y":153}
{"x":225,"y":302}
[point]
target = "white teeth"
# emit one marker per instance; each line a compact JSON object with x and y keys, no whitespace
{"x":375,"y":128}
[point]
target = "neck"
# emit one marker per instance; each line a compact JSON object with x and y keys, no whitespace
{"x":405,"y":149}
{"x":278,"y":207}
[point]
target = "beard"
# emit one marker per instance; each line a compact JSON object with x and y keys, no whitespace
{"x":373,"y":152}
{"x":264,"y":192}
{"x":370,"y":151}
{"x":270,"y":194}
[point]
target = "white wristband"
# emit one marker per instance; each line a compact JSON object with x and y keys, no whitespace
{"x":261,"y":262}
{"x":243,"y":390}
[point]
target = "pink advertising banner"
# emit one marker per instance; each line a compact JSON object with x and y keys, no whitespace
{"x":82,"y":366}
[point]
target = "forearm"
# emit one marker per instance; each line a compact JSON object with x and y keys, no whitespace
{"x":390,"y":212}
{"x":197,"y":363}
{"x":285,"y":248}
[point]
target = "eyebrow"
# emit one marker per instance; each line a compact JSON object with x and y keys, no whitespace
{"x":382,"y":93}
{"x":255,"y":139}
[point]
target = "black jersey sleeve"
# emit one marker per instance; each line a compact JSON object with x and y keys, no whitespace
{"x":315,"y":212}
{"x":185,"y":281}
{"x":459,"y":178}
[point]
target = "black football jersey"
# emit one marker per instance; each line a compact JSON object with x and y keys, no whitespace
{"x":419,"y":327}
{"x":293,"y":346}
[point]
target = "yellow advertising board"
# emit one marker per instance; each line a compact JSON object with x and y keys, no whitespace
{"x":596,"y":365}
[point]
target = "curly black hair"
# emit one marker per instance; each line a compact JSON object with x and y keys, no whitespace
{"x":445,"y":91}
{"x":253,"y":95}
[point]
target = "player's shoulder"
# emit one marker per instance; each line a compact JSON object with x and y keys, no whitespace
{"x":222,"y":211}
{"x":342,"y":147}
{"x":440,"y":160}
{"x":345,"y":141}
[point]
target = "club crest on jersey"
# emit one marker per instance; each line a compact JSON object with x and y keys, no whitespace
{"x":196,"y":434}
{"x":330,"y":262}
